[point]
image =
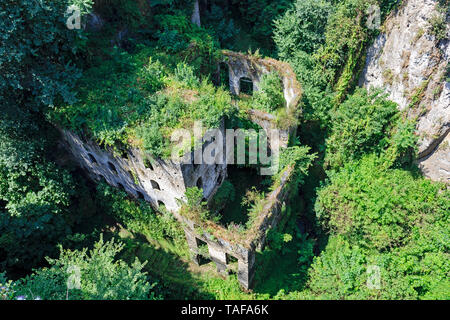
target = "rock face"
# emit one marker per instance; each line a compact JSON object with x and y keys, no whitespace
{"x":411,"y":64}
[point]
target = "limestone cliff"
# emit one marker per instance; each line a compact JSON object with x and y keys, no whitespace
{"x":410,"y":61}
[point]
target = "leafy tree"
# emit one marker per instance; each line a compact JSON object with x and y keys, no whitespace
{"x":299,"y":157}
{"x":257,"y":14}
{"x":194,"y":197}
{"x":378,"y":208}
{"x":224,"y":28}
{"x":389,"y":218}
{"x":87,"y":275}
{"x":37,"y":61}
{"x":37,"y":52}
{"x":345,"y":37}
{"x":298,"y":34}
{"x":302,"y":27}
{"x":35,"y":194}
{"x":338,"y":273}
{"x":365,"y":123}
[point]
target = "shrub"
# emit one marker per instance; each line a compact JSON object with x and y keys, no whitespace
{"x":139,"y":217}
{"x":300,"y":158}
{"x":195,"y":207}
{"x":186,"y":75}
{"x":225,"y":29}
{"x":302,"y":27}
{"x":438,"y":26}
{"x":379,"y":208}
{"x":338,"y":273}
{"x":172,"y":41}
{"x":35,"y":195}
{"x":362,"y":124}
{"x":83,"y":275}
{"x":153,"y":75}
{"x":269,"y":97}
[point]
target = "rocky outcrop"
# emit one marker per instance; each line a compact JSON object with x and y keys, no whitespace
{"x":410,"y":62}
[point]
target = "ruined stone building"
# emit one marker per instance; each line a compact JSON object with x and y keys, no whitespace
{"x":164,"y":182}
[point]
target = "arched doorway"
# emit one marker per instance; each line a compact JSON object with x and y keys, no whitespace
{"x":92,"y":158}
{"x":200,"y":183}
{"x":224,"y":75}
{"x":246,"y":86}
{"x":155,"y":185}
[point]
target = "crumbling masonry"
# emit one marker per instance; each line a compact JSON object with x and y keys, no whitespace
{"x":164,"y":182}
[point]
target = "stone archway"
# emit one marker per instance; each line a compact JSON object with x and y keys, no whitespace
{"x":155,"y":185}
{"x":92,"y":158}
{"x":199,"y":183}
{"x":246,"y":86}
{"x":224,"y":75}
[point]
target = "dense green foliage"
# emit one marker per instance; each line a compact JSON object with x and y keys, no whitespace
{"x":37,"y":52}
{"x":356,"y":198}
{"x":390,"y":218}
{"x":377,"y":208}
{"x":34,"y":193}
{"x":366,"y":123}
{"x":140,"y":218}
{"x":86,"y":275}
{"x":136,"y":99}
{"x":269,"y":97}
{"x":242,"y":24}
{"x":302,"y":28}
{"x":38,"y":204}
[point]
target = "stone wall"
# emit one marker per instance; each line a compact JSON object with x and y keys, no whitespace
{"x":245,"y":66}
{"x":223,"y":243}
{"x":164,"y":182}
{"x":160,"y":182}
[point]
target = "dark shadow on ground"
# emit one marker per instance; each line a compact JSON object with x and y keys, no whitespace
{"x":243,"y":179}
{"x":281,"y":269}
{"x":169,"y":272}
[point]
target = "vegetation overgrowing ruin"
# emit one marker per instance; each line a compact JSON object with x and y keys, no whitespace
{"x":97,"y":154}
{"x":164,"y":182}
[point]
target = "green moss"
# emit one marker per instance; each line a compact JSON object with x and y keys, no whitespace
{"x":388,"y":76}
{"x":136,"y":100}
{"x":418,"y":93}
